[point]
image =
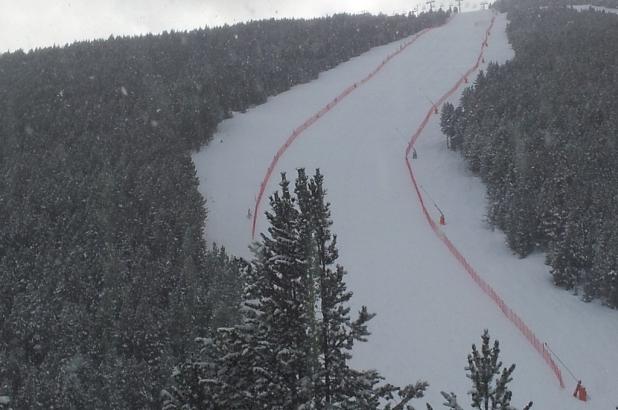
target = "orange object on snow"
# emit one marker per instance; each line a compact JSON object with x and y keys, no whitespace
{"x":583,"y":395}
{"x":580,"y":392}
{"x":442,"y":221}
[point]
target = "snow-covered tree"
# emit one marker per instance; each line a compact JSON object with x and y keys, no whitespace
{"x":489,"y":380}
{"x":336,"y":384}
{"x":293,"y":345}
{"x":447,"y":120}
{"x":483,"y":367}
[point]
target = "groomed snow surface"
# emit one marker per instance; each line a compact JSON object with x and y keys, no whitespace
{"x":429,"y":310}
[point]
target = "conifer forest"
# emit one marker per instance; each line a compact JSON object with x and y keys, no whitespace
{"x":541,"y":133}
{"x":106,"y":276}
{"x":114,"y":295}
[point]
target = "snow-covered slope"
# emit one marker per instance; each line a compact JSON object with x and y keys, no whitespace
{"x":429,"y":310}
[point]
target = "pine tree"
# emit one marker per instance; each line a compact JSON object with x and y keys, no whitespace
{"x":336,"y":384}
{"x":571,"y":254}
{"x":489,"y":380}
{"x":519,"y":227}
{"x":335,"y":338}
{"x":482,"y":370}
{"x":278,"y":295}
{"x":312,"y":275}
{"x":224,"y":294}
{"x":293,"y":345}
{"x":447,"y":121}
{"x":602,"y":279}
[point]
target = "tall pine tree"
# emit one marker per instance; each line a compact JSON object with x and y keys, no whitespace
{"x":293,"y":345}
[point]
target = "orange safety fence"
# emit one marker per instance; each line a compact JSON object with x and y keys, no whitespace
{"x":508,"y":312}
{"x":487,"y":289}
{"x":324,"y":110}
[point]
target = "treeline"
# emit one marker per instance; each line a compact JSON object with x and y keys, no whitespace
{"x":612,"y":4}
{"x":104,"y":272}
{"x":542,"y":133}
{"x":507,"y":5}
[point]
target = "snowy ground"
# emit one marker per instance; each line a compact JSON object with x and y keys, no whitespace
{"x":429,"y":311}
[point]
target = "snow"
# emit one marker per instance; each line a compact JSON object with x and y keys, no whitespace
{"x":429,"y":311}
{"x":597,"y":8}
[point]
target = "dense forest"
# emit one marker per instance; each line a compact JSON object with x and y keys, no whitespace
{"x":541,"y":131}
{"x":106,"y":278}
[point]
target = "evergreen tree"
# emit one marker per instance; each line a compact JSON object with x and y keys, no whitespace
{"x":447,"y":123}
{"x":279,"y":298}
{"x":602,"y":279}
{"x":261,"y":363}
{"x":482,"y":368}
{"x":489,"y":380}
{"x":293,"y":345}
{"x":336,"y":384}
{"x":224,"y":295}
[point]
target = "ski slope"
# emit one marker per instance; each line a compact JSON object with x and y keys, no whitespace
{"x":429,"y":310}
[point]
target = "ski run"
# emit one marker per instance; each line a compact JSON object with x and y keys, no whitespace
{"x":429,"y":310}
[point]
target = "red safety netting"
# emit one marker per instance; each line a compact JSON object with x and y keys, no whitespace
{"x":315,"y":117}
{"x":509,"y":313}
{"x":487,"y":289}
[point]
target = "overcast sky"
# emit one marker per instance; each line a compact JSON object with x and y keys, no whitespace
{"x":28,"y":24}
